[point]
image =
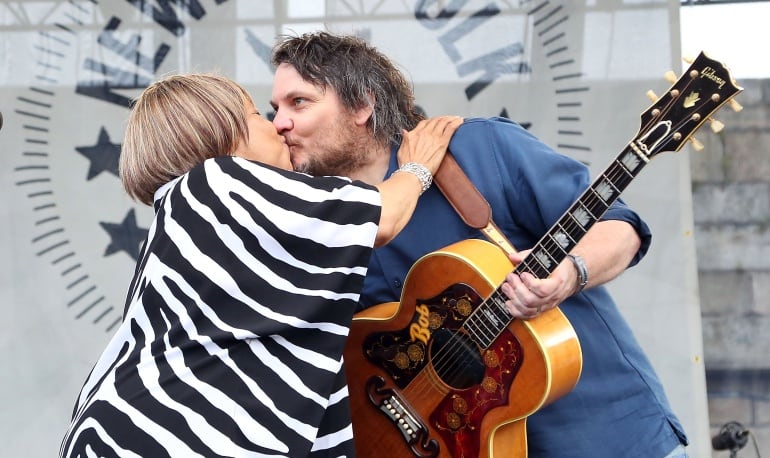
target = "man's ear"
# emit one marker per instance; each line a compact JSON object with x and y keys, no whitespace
{"x":362,"y":115}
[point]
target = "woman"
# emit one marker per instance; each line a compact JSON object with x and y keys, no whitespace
{"x":237,"y":314}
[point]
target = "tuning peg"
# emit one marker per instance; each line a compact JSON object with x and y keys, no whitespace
{"x":696,"y":144}
{"x":716,"y":125}
{"x":689,"y":59}
{"x":670,"y":76}
{"x":652,"y":96}
{"x":735,"y":105}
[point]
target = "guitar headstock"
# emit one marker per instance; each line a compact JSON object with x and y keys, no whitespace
{"x":674,"y":117}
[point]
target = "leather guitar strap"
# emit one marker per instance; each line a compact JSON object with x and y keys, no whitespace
{"x":468,"y":202}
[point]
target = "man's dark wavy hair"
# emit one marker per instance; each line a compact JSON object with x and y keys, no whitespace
{"x":360,"y":75}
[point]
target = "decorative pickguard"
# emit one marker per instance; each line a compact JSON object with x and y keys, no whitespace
{"x":404,"y":353}
{"x":460,"y":413}
{"x":477,"y":379}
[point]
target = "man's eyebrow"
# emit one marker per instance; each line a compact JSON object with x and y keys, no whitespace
{"x":288,"y":96}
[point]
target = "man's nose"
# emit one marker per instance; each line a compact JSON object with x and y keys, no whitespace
{"x":282,"y":123}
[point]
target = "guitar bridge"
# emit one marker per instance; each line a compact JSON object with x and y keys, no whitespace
{"x":412,"y":429}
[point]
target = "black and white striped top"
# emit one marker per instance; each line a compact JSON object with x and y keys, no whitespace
{"x":235,"y":321}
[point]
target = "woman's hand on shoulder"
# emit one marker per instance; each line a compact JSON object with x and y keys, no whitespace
{"x":427,"y":143}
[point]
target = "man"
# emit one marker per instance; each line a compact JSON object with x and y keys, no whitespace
{"x":342,"y":105}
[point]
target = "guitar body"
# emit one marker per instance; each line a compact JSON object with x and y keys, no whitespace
{"x":420,"y":386}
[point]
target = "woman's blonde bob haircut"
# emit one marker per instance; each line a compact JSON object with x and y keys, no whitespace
{"x":176,"y":123}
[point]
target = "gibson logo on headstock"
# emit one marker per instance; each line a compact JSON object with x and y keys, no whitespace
{"x":711,"y":74}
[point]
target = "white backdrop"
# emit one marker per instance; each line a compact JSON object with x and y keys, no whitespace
{"x":574,"y":72}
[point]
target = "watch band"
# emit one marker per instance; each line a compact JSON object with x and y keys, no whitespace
{"x":582,"y":270}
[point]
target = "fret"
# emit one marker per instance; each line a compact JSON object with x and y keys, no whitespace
{"x":493,"y":309}
{"x":581,"y":215}
{"x":588,"y":217}
{"x":558,"y":244}
{"x":497,"y":319}
{"x":550,"y":256}
{"x":480,"y":323}
{"x":498,"y":299}
{"x":630,"y":161}
{"x":563,"y":231}
{"x":611,"y":182}
{"x":534,"y":267}
{"x":623,"y":181}
{"x":472,"y":328}
{"x":619,"y":175}
{"x":542,"y":257}
{"x":487,"y":324}
{"x":561,"y":239}
{"x":595,"y":206}
{"x":578,"y":224}
{"x":502,"y":317}
{"x":525,"y":266}
{"x":490,"y":320}
{"x":606,"y":191}
{"x":491,"y":317}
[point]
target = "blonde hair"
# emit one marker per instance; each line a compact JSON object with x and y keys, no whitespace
{"x":176,"y":123}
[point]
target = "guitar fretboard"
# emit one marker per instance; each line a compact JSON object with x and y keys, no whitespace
{"x":490,"y":318}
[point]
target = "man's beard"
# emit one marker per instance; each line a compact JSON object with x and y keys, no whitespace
{"x":343,"y":158}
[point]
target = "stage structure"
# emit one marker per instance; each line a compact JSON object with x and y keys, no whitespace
{"x":574,"y":73}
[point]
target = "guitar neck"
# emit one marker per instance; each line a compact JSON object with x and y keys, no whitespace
{"x":665,"y":126}
{"x":587,"y":210}
{"x":491,"y":317}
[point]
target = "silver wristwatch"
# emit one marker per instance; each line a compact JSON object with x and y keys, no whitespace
{"x":582,"y":270}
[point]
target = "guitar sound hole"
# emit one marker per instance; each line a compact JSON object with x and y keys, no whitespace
{"x":456,"y":359}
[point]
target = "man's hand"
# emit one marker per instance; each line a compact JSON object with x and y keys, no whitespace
{"x":607,"y":249}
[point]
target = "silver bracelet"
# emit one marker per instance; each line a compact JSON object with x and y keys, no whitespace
{"x":420,"y":171}
{"x":582,"y":270}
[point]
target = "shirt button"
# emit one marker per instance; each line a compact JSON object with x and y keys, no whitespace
{"x":397,"y":283}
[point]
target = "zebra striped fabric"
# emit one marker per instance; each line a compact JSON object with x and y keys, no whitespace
{"x":235,"y":321}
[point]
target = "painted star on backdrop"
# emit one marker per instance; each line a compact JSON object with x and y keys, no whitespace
{"x":504,"y":114}
{"x":104,"y":155}
{"x":125,"y":236}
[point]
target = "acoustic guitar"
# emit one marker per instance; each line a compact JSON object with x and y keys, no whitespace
{"x":446,"y":371}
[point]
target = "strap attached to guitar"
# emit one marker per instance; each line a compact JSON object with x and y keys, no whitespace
{"x":468,"y":202}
